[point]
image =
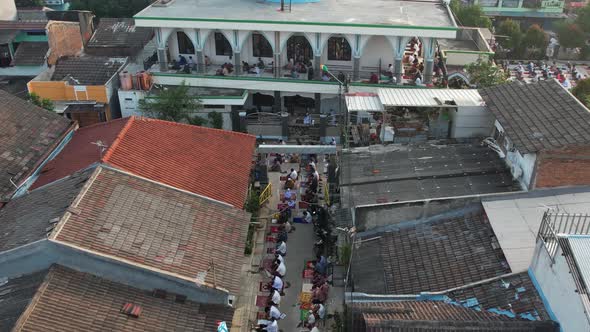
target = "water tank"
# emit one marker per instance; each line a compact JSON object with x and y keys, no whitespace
{"x":7,"y":10}
{"x":125,"y":78}
{"x":144,"y":80}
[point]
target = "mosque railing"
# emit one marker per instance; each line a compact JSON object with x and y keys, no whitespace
{"x":265,"y":195}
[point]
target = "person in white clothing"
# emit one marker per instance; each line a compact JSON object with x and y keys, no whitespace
{"x":277,"y":283}
{"x":307,"y":217}
{"x":271,"y":326}
{"x":275,"y":298}
{"x":273,"y":312}
{"x":281,"y":268}
{"x":288,"y":194}
{"x":320,"y":309}
{"x":293,"y":174}
{"x":282,"y":248}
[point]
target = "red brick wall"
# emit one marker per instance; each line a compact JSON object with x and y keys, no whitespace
{"x":564,"y":167}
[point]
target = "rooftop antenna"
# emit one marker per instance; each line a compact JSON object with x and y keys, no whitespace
{"x":101,"y":147}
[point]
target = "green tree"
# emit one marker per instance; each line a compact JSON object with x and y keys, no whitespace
{"x":41,"y":102}
{"x":583,"y":18}
{"x":484,"y":74}
{"x":582,"y":91}
{"x":110,"y":8}
{"x":570,"y":35}
{"x":172,"y":104}
{"x":216,"y":119}
{"x":470,"y":15}
{"x":511,"y":36}
{"x":535,"y":37}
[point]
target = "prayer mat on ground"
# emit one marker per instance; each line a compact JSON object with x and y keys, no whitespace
{"x":299,"y":220}
{"x":261,"y":300}
{"x":308,"y":273}
{"x":305,"y":297}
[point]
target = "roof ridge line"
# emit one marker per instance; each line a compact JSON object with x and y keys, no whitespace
{"x":117,"y":140}
{"x":100,"y":124}
{"x":122,"y":171}
{"x":190,"y":125}
{"x":475,"y":283}
{"x":138,"y":265}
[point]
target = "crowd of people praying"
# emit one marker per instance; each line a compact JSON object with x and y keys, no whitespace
{"x":276,"y":286}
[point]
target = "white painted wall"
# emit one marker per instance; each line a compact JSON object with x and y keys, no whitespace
{"x":514,"y":159}
{"x":558,"y":288}
{"x":377,"y":48}
{"x":129,"y":102}
{"x":471,"y":121}
{"x":7,"y":10}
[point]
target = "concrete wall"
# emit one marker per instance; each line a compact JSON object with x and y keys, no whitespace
{"x":129,"y":101}
{"x":60,"y":90}
{"x":377,"y":48}
{"x":521,"y":166}
{"x":7,"y":10}
{"x":558,"y":290}
{"x":375,"y":219}
{"x":42,"y":254}
{"x":64,"y":39}
{"x":461,"y":59}
{"x":563,"y":167}
{"x":471,"y":121}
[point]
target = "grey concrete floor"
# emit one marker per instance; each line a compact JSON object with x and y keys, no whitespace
{"x":299,"y":250}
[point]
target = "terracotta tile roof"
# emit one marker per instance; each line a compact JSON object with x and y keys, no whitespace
{"x":538,"y":116}
{"x":432,"y":255}
{"x":81,"y":151}
{"x":28,"y":134}
{"x":31,"y":217}
{"x":209,"y":162}
{"x":156,"y":226}
{"x":74,"y":301}
{"x":437,"y":316}
{"x":31,"y":54}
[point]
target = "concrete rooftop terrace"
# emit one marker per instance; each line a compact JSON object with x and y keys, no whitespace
{"x":377,"y":13}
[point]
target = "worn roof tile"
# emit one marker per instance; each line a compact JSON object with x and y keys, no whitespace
{"x":536,"y":116}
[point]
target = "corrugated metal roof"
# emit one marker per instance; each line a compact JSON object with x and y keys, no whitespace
{"x":580,"y":245}
{"x":363,"y":103}
{"x":429,"y":97}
